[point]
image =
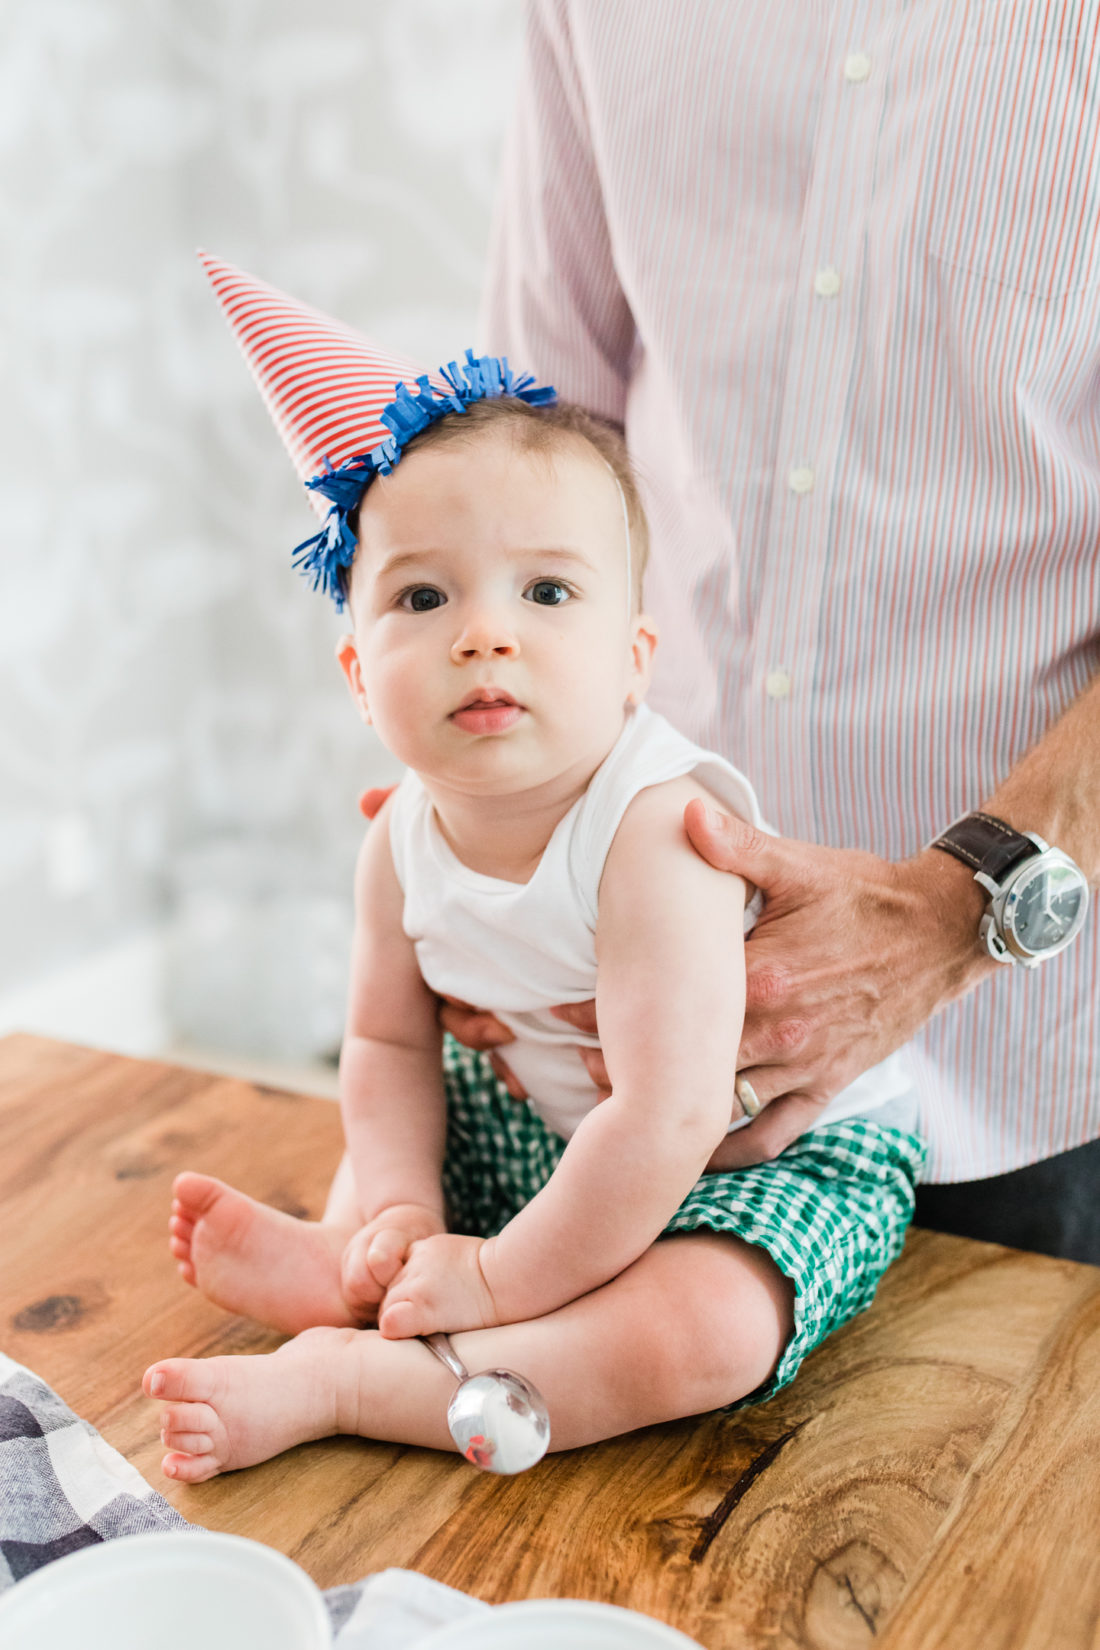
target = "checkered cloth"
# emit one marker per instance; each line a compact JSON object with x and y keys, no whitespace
{"x":62,"y":1487}
{"x":832,"y":1210}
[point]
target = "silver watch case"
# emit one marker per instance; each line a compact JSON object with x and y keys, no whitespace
{"x":997,"y":929}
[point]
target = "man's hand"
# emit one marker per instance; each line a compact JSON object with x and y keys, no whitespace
{"x":370,"y":801}
{"x":851,"y":955}
{"x":582,"y":1017}
{"x":441,"y":1286}
{"x":376,"y":1253}
{"x":478,"y":1029}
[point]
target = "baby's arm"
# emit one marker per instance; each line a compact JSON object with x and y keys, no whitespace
{"x":391,"y":1087}
{"x":670,"y":1000}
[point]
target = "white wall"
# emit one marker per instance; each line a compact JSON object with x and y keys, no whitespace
{"x":177,"y":754}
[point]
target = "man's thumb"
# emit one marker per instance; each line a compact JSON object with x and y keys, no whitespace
{"x":730,"y":844}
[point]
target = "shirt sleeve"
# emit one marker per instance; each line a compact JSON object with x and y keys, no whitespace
{"x":553,"y":302}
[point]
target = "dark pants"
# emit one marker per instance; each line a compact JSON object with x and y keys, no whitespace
{"x":1051,"y":1207}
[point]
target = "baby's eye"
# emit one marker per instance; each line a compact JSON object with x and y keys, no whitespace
{"x":548,"y":593}
{"x":421,"y":598}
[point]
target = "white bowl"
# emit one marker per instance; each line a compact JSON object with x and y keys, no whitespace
{"x":552,"y":1623}
{"x":179,"y":1590}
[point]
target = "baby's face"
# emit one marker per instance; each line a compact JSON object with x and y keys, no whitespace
{"x":494,"y":646}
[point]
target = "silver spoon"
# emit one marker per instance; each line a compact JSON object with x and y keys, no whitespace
{"x":498,"y":1420}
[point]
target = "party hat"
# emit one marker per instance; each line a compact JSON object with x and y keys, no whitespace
{"x":341,"y":403}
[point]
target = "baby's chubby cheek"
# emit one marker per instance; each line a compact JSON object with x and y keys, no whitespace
{"x":402,"y":696}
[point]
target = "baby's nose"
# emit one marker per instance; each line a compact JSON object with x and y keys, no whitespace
{"x":483,"y":638}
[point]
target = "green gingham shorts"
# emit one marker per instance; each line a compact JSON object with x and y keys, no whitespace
{"x":831,"y":1211}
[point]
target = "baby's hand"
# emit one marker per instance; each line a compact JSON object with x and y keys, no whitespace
{"x":377,"y":1252}
{"x":441,"y":1286}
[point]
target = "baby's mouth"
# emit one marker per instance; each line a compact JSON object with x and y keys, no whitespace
{"x":487,"y":710}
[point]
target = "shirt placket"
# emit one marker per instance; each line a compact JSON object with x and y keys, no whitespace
{"x":787,"y":663}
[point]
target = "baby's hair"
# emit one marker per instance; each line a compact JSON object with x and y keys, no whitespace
{"x":541,"y":430}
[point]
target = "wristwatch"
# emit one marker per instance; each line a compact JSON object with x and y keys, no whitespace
{"x":1037,"y":895}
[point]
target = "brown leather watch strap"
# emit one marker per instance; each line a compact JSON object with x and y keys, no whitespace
{"x":986,"y":844}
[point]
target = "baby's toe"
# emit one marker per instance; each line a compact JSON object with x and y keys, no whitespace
{"x":177,"y":1419}
{"x":181,"y":1235}
{"x":182,"y":1378}
{"x":194,"y":1194}
{"x":190,"y":1469}
{"x":187,"y":1443}
{"x":195,"y":1440}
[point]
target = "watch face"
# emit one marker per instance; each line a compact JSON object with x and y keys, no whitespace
{"x":1046,"y":906}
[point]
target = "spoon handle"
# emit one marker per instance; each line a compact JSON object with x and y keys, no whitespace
{"x":440,"y":1344}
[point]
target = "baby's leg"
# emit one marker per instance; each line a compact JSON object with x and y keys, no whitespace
{"x":256,"y":1260}
{"x":698,"y":1322}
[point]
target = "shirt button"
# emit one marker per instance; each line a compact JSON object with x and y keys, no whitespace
{"x":777,"y":684}
{"x":800,"y":479}
{"x":857,"y":67}
{"x":826,"y":283}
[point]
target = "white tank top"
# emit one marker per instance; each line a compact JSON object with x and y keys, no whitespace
{"x":518,"y":949}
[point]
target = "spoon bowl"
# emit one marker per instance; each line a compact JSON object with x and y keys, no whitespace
{"x":498,"y":1420}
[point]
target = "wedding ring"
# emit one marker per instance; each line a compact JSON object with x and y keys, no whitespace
{"x":750,"y":1102}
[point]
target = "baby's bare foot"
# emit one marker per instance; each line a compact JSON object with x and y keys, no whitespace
{"x":224,"y":1413}
{"x":255,"y":1260}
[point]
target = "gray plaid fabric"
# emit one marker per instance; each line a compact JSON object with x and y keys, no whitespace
{"x":832,"y":1210}
{"x":62,"y":1487}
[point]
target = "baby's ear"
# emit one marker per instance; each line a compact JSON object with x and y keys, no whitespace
{"x":348,"y":656}
{"x":642,"y":647}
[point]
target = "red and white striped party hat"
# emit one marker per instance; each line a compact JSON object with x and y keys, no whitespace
{"x":341,"y":403}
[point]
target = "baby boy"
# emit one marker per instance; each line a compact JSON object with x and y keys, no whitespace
{"x":535,"y":854}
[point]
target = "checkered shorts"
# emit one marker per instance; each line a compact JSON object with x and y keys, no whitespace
{"x":831,"y":1211}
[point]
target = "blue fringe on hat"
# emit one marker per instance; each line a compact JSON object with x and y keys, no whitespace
{"x":328,"y":553}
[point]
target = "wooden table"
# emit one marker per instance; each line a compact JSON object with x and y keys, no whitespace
{"x":931,"y":1480}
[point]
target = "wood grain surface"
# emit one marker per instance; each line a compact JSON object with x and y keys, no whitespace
{"x":931,"y":1479}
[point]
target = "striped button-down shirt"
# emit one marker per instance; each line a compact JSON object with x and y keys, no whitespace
{"x":837,"y":269}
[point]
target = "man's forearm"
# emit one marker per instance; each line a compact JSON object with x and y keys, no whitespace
{"x":1052,"y":791}
{"x":1055,"y":789}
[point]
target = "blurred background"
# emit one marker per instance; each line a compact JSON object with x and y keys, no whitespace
{"x":179,"y":760}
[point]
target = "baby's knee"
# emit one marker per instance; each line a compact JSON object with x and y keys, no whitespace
{"x":727,"y":1315}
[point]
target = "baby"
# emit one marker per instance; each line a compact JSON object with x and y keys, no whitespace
{"x":535,"y":854}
